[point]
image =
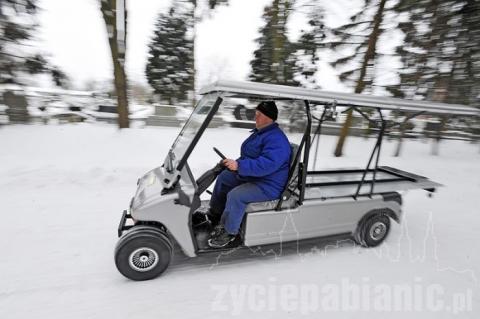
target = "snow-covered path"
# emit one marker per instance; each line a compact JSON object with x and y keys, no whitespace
{"x":62,"y":190}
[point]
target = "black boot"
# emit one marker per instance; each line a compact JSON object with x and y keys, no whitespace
{"x":217,"y":230}
{"x":223,"y":239}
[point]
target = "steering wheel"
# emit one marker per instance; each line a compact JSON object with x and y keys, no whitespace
{"x":207,"y":178}
{"x":222,"y":156}
{"x":219,"y":153}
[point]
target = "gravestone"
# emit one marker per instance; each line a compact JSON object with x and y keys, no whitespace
{"x":165,"y":115}
{"x":16,"y":104}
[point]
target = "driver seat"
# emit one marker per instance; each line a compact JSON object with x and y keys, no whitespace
{"x":291,"y":202}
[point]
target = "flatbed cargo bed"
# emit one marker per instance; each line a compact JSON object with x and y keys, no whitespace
{"x":344,"y":182}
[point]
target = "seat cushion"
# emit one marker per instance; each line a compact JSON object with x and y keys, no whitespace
{"x":270,"y":205}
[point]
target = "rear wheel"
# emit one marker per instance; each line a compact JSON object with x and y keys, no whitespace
{"x":373,"y":231}
{"x":143,"y":253}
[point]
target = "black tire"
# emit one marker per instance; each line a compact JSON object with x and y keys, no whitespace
{"x":143,"y":253}
{"x":140,"y":229}
{"x":373,"y":230}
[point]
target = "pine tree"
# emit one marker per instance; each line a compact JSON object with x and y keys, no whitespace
{"x":440,"y":54}
{"x":466,"y":71}
{"x":275,"y":61}
{"x":174,"y":40}
{"x":311,"y":40}
{"x":13,"y":35}
{"x":361,"y":36}
{"x":441,"y":51}
{"x":17,"y":30}
{"x":170,"y":69}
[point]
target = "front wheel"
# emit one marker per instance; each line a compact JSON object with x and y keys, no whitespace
{"x":143,"y":254}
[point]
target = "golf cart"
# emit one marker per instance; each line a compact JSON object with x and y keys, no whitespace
{"x":315,"y":203}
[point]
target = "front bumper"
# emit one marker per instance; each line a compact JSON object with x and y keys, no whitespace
{"x":123,"y":221}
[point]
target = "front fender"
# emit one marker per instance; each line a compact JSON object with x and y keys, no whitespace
{"x":167,"y":210}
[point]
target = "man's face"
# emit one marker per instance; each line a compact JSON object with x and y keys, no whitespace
{"x":261,"y":120}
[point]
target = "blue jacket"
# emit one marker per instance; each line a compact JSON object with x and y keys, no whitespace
{"x":264,"y":160}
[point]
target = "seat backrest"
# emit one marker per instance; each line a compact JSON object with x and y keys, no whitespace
{"x":295,"y":148}
{"x":294,"y":152}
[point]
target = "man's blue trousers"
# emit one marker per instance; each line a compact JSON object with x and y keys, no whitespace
{"x":231,"y":196}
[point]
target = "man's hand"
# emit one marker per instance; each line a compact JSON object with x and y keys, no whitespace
{"x":230,"y":164}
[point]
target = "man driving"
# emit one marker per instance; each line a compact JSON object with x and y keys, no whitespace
{"x":260,"y":174}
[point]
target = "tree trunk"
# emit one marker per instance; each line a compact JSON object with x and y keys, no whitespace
{"x":438,"y":135}
{"x":367,"y":61}
{"x":194,"y":64}
{"x":277,"y":44}
{"x":343,"y":134}
{"x":122,"y":98}
{"x":440,"y":94}
{"x":400,"y":140}
{"x":109,"y":13}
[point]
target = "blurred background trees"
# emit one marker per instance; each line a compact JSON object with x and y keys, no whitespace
{"x":19,"y":58}
{"x":437,"y":55}
{"x":441,"y":51}
{"x":440,"y":54}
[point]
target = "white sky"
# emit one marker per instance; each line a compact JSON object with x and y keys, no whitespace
{"x":73,"y":33}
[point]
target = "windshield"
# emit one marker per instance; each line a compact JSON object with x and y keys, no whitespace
{"x":191,"y":131}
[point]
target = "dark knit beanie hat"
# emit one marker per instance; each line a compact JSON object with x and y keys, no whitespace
{"x":269,"y":109}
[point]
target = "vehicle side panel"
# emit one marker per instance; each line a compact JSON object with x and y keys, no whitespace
{"x":315,"y":218}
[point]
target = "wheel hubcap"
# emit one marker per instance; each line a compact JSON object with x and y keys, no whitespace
{"x":143,"y":259}
{"x":378,"y":230}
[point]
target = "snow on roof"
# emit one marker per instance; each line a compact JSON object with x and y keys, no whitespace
{"x":278,"y":92}
{"x":36,"y":90}
{"x":59,"y":91}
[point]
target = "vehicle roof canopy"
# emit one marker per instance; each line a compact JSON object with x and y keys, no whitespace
{"x":282,"y":92}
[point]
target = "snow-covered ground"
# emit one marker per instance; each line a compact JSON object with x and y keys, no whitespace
{"x":62,"y":190}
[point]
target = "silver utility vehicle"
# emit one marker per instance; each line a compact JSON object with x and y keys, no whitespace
{"x":360,"y":202}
